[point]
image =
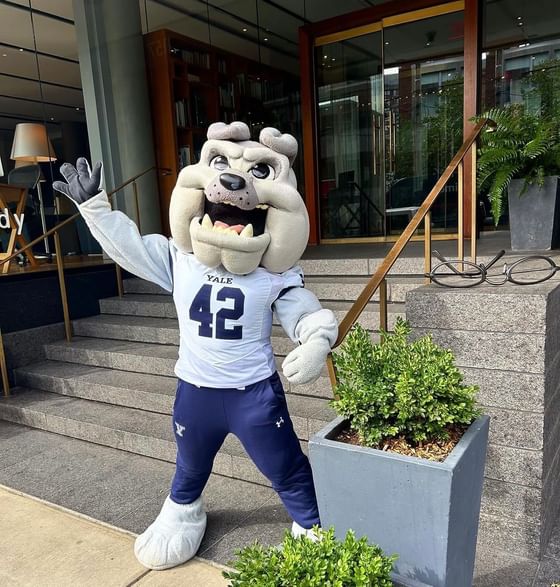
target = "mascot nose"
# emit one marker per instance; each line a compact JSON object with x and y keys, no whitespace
{"x":232,"y":182}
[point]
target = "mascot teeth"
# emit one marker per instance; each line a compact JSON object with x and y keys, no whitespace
{"x":237,"y":230}
{"x":247,"y":231}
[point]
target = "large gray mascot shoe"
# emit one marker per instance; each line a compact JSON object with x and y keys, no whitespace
{"x":174,"y":537}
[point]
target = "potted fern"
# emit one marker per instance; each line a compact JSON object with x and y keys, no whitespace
{"x":403,"y":463}
{"x":521,"y":159}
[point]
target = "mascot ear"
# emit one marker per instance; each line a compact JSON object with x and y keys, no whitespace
{"x":236,"y":131}
{"x":280,"y":143}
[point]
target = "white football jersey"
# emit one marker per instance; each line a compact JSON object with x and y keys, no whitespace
{"x":225,"y":321}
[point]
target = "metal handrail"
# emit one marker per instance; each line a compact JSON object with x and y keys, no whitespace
{"x":378,"y":279}
{"x":77,"y":214}
{"x":60,"y":265}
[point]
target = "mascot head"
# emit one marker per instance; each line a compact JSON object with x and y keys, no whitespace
{"x":239,"y":205}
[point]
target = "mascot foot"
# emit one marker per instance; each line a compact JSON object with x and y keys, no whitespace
{"x":174,"y":537}
{"x":298,"y":531}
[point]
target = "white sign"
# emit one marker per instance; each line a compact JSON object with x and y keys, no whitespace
{"x":5,"y":220}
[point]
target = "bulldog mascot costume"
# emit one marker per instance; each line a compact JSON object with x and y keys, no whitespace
{"x":238,"y":227}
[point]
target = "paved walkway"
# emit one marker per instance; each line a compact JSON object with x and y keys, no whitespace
{"x":47,"y":545}
{"x":126,"y":491}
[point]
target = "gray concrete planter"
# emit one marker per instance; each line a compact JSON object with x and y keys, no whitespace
{"x":534,"y":217}
{"x":424,"y":511}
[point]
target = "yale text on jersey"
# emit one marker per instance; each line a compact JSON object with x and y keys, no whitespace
{"x":219,"y":279}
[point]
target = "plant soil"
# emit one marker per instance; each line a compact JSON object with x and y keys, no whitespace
{"x":433,"y":450}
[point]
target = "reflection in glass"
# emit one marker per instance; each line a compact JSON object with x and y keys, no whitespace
{"x":423,"y":81}
{"x":350,"y":135}
{"x":520,"y":63}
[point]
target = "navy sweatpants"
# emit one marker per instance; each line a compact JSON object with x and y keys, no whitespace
{"x":258,"y":416}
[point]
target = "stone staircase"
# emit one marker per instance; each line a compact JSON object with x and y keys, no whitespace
{"x":114,"y":384}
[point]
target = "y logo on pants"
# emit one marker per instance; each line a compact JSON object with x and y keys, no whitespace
{"x":179,"y":429}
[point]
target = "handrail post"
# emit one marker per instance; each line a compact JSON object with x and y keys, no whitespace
{"x":428,"y":245}
{"x":331,"y":370}
{"x":4,"y":369}
{"x":137,"y":206}
{"x":383,"y":305}
{"x":474,"y":204}
{"x":460,"y":213}
{"x":120,"y":288}
{"x":62,"y":283}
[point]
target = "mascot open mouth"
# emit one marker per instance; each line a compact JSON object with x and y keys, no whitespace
{"x":227,"y":217}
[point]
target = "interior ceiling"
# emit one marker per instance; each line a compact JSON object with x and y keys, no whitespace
{"x":270,"y":35}
{"x":49,"y":28}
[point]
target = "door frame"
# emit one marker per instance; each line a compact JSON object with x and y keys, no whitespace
{"x":364,"y":21}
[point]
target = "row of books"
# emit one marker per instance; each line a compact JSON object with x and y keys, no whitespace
{"x":222,"y":66}
{"x":182,"y":113}
{"x":197,"y":58}
{"x":184,"y":156}
{"x":228,"y":116}
{"x":191,"y":113}
{"x":227,"y":95}
{"x":260,"y":89}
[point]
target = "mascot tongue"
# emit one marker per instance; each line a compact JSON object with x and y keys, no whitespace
{"x":237,"y":227}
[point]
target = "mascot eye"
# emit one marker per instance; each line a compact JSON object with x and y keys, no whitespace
{"x":262,"y":171}
{"x":219,"y":162}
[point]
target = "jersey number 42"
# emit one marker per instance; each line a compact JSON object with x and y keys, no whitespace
{"x":200,"y":311}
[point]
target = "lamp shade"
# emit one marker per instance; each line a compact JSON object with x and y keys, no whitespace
{"x":31,"y":143}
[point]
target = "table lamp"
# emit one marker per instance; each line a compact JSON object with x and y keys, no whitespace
{"x":32,"y":145}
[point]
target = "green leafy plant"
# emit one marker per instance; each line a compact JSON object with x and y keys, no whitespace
{"x":526,"y":140}
{"x":303,"y":563}
{"x":397,"y":387}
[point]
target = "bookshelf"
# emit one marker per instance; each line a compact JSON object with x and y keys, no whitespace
{"x":193,"y":84}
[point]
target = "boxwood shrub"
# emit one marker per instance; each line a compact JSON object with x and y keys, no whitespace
{"x":400,"y":388}
{"x":300,"y":562}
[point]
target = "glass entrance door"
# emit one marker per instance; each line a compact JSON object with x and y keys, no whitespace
{"x":350,"y":136}
{"x":389,"y":120}
{"x":423,"y":81}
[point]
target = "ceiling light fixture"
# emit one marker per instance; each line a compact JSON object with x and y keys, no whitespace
{"x":21,"y":50}
{"x":244,"y":29}
{"x":265,"y":39}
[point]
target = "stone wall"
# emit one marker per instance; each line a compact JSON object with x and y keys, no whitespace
{"x":507,"y":341}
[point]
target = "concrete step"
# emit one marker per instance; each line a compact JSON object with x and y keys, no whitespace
{"x":153,"y":393}
{"x":404,"y":266}
{"x":339,"y":287}
{"x":152,"y":359}
{"x":152,"y":330}
{"x":135,"y":431}
{"x":161,"y":306}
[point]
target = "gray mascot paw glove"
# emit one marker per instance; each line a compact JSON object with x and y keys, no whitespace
{"x":317,"y":333}
{"x":81,"y":182}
